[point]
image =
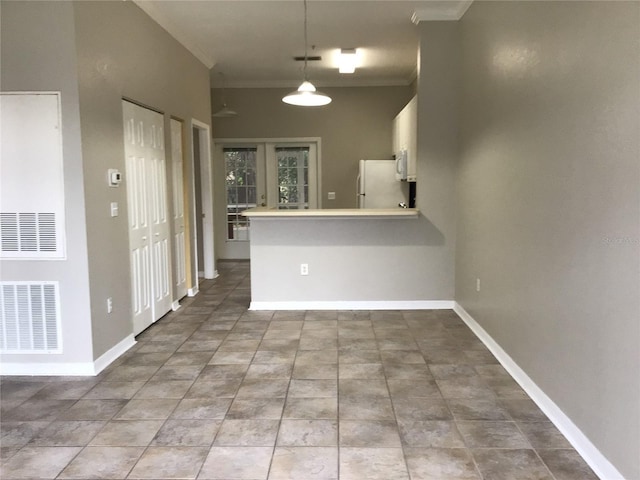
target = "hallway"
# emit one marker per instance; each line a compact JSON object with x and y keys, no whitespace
{"x":214,"y":391}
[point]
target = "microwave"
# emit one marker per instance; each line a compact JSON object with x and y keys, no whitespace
{"x":401,"y":165}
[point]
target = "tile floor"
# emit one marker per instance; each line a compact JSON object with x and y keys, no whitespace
{"x":214,"y":391}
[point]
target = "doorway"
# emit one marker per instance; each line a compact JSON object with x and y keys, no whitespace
{"x":204,"y":257}
{"x":273,"y":173}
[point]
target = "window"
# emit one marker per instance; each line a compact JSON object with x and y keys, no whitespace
{"x":293,"y":177}
{"x":241,"y":189}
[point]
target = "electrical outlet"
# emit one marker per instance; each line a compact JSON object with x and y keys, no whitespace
{"x":304,"y":269}
{"x":109,"y":305}
{"x":477,"y":284}
{"x":331,"y":195}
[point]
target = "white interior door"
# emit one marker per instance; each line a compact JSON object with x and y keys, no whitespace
{"x":147,"y":209}
{"x":179,"y":245}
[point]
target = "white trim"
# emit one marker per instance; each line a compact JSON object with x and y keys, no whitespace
{"x":69,"y":369}
{"x":452,"y":11}
{"x":206,"y":192}
{"x":589,"y":452}
{"x":192,"y":292}
{"x":104,"y":360}
{"x":175,"y":305}
{"x":355,"y":305}
{"x":83,"y":369}
{"x":390,"y":81}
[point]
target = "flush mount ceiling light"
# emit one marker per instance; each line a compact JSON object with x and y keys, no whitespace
{"x":347,"y":60}
{"x":306,"y":95}
{"x":225,"y":111}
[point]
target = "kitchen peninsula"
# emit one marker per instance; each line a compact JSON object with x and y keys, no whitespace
{"x":340,"y":259}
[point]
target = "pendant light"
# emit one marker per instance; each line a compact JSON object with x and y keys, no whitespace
{"x":306,"y":95}
{"x":225,"y":111}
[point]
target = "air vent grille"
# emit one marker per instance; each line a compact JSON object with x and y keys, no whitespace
{"x":312,"y":58}
{"x":30,"y":233}
{"x":30,"y":319}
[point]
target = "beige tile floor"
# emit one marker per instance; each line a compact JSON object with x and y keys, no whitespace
{"x":214,"y":391}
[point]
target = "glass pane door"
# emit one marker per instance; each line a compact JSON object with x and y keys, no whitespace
{"x":293,"y":177}
{"x":241,"y":189}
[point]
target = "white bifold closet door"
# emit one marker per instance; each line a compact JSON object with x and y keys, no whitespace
{"x":147,"y":209}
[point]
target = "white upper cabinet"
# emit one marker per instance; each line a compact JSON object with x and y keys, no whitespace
{"x":405,"y":136}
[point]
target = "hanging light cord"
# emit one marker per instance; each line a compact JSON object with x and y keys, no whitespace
{"x":305,"y":41}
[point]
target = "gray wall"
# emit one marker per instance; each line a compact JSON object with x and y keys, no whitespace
{"x":38,"y":54}
{"x":549,"y":205}
{"x":350,"y":260}
{"x":123,"y":53}
{"x":356,"y":125}
{"x":438,"y":144}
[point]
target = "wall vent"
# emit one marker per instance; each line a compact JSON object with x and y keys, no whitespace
{"x":32,"y":213}
{"x":28,"y":232}
{"x":30,"y":317}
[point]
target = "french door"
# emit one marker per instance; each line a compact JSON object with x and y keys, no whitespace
{"x":273,"y":174}
{"x":150,"y":254}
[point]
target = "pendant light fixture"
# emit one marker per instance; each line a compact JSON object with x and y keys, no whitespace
{"x":225,"y":111}
{"x":306,"y":95}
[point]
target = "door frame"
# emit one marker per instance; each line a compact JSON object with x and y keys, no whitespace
{"x":206,"y":196}
{"x":218,"y":163}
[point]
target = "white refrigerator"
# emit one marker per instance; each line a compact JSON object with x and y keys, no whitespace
{"x":377,"y":185}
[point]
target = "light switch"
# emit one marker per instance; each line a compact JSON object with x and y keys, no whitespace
{"x":114,"y":209}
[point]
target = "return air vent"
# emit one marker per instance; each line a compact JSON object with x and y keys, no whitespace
{"x":311,"y":58}
{"x":32,"y":213}
{"x":28,"y":232}
{"x":30,"y":319}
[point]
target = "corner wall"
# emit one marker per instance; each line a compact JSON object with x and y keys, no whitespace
{"x":549,"y":204}
{"x":38,"y":54}
{"x":124,"y":53}
{"x":438,"y":146}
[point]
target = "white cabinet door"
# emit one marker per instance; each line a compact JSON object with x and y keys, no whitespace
{"x":147,"y":210}
{"x":405,"y":136}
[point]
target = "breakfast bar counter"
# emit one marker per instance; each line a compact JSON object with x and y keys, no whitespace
{"x":342,"y":259}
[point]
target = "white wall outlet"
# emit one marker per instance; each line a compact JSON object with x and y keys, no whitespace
{"x":477,"y":284}
{"x":114,"y":209}
{"x":109,"y":305}
{"x":304,"y":269}
{"x":331,"y":195}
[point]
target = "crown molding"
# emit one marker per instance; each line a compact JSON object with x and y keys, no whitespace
{"x":384,"y":82}
{"x":441,"y":11}
{"x":183,"y":38}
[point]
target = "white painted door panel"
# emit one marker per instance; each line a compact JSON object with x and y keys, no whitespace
{"x":147,"y":209}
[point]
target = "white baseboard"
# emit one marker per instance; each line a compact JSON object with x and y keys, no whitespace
{"x":175,"y":305}
{"x":48,"y":369}
{"x":589,"y":452}
{"x":192,"y":292}
{"x":74,"y":369}
{"x":351,"y":305}
{"x":114,"y":352}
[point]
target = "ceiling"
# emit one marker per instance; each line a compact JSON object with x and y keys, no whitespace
{"x":253,"y":42}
